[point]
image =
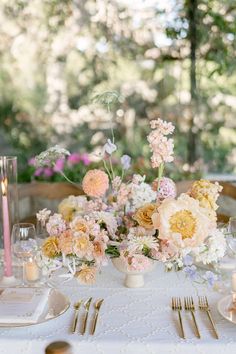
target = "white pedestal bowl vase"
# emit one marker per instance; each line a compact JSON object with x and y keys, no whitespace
{"x":133,"y":279}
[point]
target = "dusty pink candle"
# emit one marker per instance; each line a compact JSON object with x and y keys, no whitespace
{"x":6,"y":232}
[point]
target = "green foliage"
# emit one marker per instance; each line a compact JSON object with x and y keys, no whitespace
{"x":65,"y":63}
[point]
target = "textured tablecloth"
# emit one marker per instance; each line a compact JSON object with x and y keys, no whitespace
{"x":132,"y":321}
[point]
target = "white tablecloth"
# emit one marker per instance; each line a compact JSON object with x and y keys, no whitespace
{"x":132,"y":321}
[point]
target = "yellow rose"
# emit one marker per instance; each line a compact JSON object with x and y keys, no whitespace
{"x":50,"y":247}
{"x":144,"y":215}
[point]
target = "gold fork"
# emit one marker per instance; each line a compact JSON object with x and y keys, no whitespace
{"x":204,"y":306}
{"x":75,"y":321}
{"x":97,"y":306}
{"x":177,"y":306}
{"x":189,"y":306}
{"x":86,"y":306}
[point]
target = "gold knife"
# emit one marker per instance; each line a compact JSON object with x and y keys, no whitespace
{"x":97,"y":306}
{"x":86,"y":306}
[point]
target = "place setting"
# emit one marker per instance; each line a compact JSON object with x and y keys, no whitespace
{"x":187,"y":305}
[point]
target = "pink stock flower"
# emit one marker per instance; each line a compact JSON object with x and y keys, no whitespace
{"x":123,"y":194}
{"x":161,"y":147}
{"x":165,"y":128}
{"x":95,"y":183}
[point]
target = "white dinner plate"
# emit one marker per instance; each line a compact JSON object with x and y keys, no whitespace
{"x":223,"y":308}
{"x":57,"y":304}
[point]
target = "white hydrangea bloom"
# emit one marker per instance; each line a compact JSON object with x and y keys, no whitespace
{"x":213,"y":249}
{"x":142,"y":194}
{"x":50,"y":156}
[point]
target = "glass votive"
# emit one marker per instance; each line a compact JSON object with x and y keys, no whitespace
{"x":32,"y":271}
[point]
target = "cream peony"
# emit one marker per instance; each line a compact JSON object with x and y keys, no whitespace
{"x":183,"y":222}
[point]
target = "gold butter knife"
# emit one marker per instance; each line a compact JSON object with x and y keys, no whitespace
{"x":97,"y":306}
{"x":86,"y":306}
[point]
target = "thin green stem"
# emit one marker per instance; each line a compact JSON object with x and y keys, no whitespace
{"x":160,"y":174}
{"x":112,"y":131}
{"x":68,"y":180}
{"x":107,"y":169}
{"x":112,"y":171}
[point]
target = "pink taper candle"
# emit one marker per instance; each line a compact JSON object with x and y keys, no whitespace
{"x":6,"y":231}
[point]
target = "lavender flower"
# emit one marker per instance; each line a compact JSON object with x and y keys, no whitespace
{"x":125,"y":161}
{"x":191,"y":271}
{"x":188,"y":260}
{"x":210,"y":277}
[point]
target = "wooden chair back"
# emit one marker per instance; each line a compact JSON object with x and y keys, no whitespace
{"x":38,"y":195}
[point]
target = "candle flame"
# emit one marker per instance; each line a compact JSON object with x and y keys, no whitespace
{"x":4,"y":183}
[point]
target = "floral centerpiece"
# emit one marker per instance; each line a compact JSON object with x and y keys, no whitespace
{"x":133,"y":221}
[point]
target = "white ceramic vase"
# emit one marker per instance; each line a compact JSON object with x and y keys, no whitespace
{"x":133,"y":279}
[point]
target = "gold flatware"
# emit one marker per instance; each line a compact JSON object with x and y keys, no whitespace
{"x":177,"y":306}
{"x":97,"y":306}
{"x":86,"y":306}
{"x":204,"y":306}
{"x":75,"y":321}
{"x":189,"y":306}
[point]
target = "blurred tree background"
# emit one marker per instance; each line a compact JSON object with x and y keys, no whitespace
{"x":174,"y":59}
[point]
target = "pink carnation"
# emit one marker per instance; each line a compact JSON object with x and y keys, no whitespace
{"x":95,"y":183}
{"x":161,"y":147}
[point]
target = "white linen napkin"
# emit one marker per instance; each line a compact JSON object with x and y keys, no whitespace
{"x":22,"y":305}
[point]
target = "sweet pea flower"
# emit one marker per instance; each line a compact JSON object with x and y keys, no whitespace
{"x":85,"y":158}
{"x":59,"y":165}
{"x":48,"y":172}
{"x":74,"y":158}
{"x":109,"y":147}
{"x":210,"y":277}
{"x":31,"y":161}
{"x":188,"y":260}
{"x":191,"y":271}
{"x":125,"y":161}
{"x":38,"y":172}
